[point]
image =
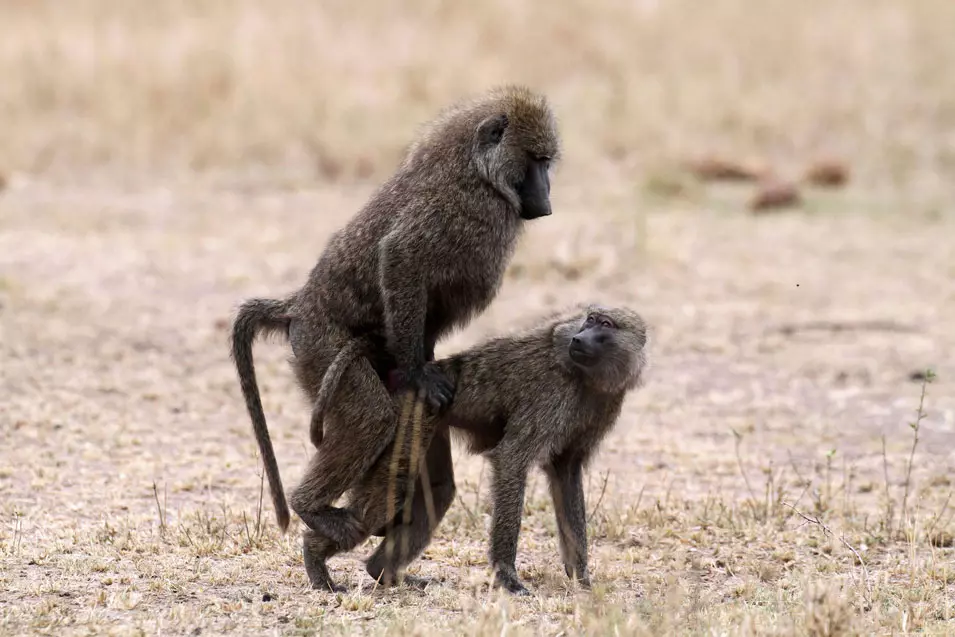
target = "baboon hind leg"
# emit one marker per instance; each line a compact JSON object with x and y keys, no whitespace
{"x":362,"y":424}
{"x":408,"y":533}
{"x":363,"y":421}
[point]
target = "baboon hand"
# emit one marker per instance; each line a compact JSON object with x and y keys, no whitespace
{"x":437,"y":387}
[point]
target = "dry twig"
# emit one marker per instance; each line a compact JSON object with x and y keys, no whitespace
{"x":827,"y":531}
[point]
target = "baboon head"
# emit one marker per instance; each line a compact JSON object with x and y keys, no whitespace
{"x":607,"y":346}
{"x":514,"y":148}
{"x":508,"y":137}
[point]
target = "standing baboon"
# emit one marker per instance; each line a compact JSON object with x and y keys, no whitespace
{"x":423,"y":256}
{"x":543,"y":397}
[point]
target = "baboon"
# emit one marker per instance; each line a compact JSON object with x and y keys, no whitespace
{"x":424,"y":255}
{"x":545,"y":397}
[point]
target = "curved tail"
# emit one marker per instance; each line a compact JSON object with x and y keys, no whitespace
{"x":254,"y":316}
{"x":330,"y":381}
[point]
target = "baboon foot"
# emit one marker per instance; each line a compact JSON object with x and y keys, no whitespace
{"x":412,"y":581}
{"x":582,"y":580}
{"x":415,"y":582}
{"x":318,"y":575}
{"x":315,"y":555}
{"x":326,"y":584}
{"x":508,"y":580}
{"x":386,"y":577}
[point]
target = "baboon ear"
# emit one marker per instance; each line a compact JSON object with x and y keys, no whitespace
{"x":491,"y":130}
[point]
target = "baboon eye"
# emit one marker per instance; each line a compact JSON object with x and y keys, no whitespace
{"x":589,"y":321}
{"x":607,"y":323}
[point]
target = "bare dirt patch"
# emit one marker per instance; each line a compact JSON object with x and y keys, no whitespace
{"x":116,"y":378}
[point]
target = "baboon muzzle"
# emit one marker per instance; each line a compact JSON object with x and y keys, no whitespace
{"x":535,"y":191}
{"x":585,"y":348}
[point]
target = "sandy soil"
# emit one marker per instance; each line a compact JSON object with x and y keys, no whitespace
{"x":115,"y":377}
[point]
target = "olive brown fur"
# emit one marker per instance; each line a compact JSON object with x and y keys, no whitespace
{"x":543,"y":397}
{"x":424,"y":255}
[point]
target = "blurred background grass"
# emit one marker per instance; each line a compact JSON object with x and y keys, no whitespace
{"x":336,"y":88}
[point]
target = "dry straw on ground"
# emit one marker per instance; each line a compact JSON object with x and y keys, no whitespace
{"x":166,"y":160}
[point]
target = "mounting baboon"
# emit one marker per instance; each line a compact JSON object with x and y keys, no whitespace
{"x":543,"y":397}
{"x":423,"y":256}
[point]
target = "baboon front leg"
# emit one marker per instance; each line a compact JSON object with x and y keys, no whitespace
{"x":412,"y":531}
{"x":510,"y":479}
{"x":565,"y":478}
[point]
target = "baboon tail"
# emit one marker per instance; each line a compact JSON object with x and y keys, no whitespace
{"x":255,"y":316}
{"x":330,"y":381}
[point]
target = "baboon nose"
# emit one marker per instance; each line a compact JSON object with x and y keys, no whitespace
{"x":575,"y":340}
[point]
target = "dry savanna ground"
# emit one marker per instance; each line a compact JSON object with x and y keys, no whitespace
{"x":788,"y":467}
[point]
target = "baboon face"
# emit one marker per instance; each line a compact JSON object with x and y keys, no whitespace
{"x":588,"y":346}
{"x":608,"y":346}
{"x":516,"y":148}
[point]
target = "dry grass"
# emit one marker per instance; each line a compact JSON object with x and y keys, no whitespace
{"x":334,"y":88}
{"x":167,"y":160}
